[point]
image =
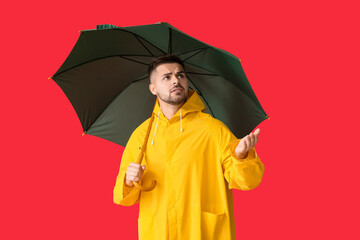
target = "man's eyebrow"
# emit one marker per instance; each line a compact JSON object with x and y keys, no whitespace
{"x":165,"y":74}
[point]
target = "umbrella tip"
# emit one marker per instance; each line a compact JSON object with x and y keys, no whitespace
{"x":158,"y":23}
{"x":239,"y":59}
{"x":50,"y":77}
{"x":80,"y":31}
{"x":267,"y":117}
{"x":84,"y":133}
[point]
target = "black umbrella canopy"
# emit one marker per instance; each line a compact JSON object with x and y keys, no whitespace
{"x":105,"y":78}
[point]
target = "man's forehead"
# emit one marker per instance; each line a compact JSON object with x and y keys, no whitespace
{"x":169,"y":67}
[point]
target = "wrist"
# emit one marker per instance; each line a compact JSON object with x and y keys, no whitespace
{"x":128,"y":184}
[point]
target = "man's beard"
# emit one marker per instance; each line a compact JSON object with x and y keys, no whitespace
{"x":174,"y":100}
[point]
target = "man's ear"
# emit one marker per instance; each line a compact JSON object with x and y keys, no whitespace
{"x":152,"y":89}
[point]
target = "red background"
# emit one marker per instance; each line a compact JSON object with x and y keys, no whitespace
{"x":302,"y":60}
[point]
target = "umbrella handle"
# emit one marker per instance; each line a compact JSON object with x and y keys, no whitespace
{"x":145,"y":188}
{"x":141,"y":154}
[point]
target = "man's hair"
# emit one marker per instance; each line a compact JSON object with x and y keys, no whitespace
{"x":169,"y":58}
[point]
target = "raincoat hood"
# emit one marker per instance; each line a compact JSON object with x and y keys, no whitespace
{"x":192,"y":104}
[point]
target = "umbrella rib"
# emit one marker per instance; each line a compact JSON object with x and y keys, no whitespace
{"x":202,"y":95}
{"x":144,"y":45}
{"x":133,"y":60}
{"x":121,"y":29}
{"x":201,"y":49}
{"x":206,"y":74}
{"x":139,"y":79}
{"x":101,"y":58}
{"x":192,"y":50}
{"x":170,"y":41}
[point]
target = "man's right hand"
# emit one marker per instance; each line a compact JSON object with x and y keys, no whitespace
{"x":134,"y":172}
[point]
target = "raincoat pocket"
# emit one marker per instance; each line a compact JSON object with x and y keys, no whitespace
{"x":212,"y":223}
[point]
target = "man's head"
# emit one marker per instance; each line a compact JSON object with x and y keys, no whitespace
{"x":168,"y":80}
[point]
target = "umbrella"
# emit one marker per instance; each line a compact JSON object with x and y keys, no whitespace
{"x":105,"y":79}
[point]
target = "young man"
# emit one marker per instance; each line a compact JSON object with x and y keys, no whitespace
{"x":195,"y":160}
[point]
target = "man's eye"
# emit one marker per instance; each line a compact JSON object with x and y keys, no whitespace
{"x":180,"y":76}
{"x":166,"y":78}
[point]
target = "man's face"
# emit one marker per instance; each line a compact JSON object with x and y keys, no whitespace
{"x":169,"y":83}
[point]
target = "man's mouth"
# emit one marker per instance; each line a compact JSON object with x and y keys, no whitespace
{"x":178,"y":89}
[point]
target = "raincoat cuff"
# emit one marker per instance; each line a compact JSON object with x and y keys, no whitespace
{"x":250,"y":155}
{"x":130,"y":195}
{"x":127,"y":189}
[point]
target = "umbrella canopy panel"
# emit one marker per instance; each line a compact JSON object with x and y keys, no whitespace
{"x":225,"y":101}
{"x":94,"y":45}
{"x":114,"y":123}
{"x":91,"y":87}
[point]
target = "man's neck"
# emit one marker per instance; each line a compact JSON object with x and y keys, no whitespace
{"x":169,"y":110}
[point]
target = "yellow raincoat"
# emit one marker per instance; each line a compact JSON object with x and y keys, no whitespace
{"x":192,"y":158}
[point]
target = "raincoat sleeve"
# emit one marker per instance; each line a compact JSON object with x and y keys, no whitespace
{"x":244,"y":174}
{"x":124,"y":195}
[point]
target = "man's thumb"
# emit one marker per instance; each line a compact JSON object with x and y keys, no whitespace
{"x":143,"y":167}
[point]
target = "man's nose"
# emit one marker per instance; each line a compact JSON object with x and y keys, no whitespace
{"x":174,"y":80}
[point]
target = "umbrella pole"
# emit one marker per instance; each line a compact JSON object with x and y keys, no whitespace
{"x":141,"y":154}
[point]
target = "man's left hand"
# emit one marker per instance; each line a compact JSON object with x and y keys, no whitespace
{"x":247,"y":143}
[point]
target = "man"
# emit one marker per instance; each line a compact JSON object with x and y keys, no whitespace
{"x":195,"y":160}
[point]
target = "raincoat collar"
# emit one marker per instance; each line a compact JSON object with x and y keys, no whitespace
{"x":193,"y":104}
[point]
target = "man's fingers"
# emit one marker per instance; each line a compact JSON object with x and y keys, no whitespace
{"x":256,"y":139}
{"x":131,"y":178}
{"x":133,"y":172}
{"x":244,"y":144}
{"x":133,"y":164}
{"x":252,"y":141}
{"x":131,"y":169}
{"x":248,"y":143}
{"x":257,"y":131}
